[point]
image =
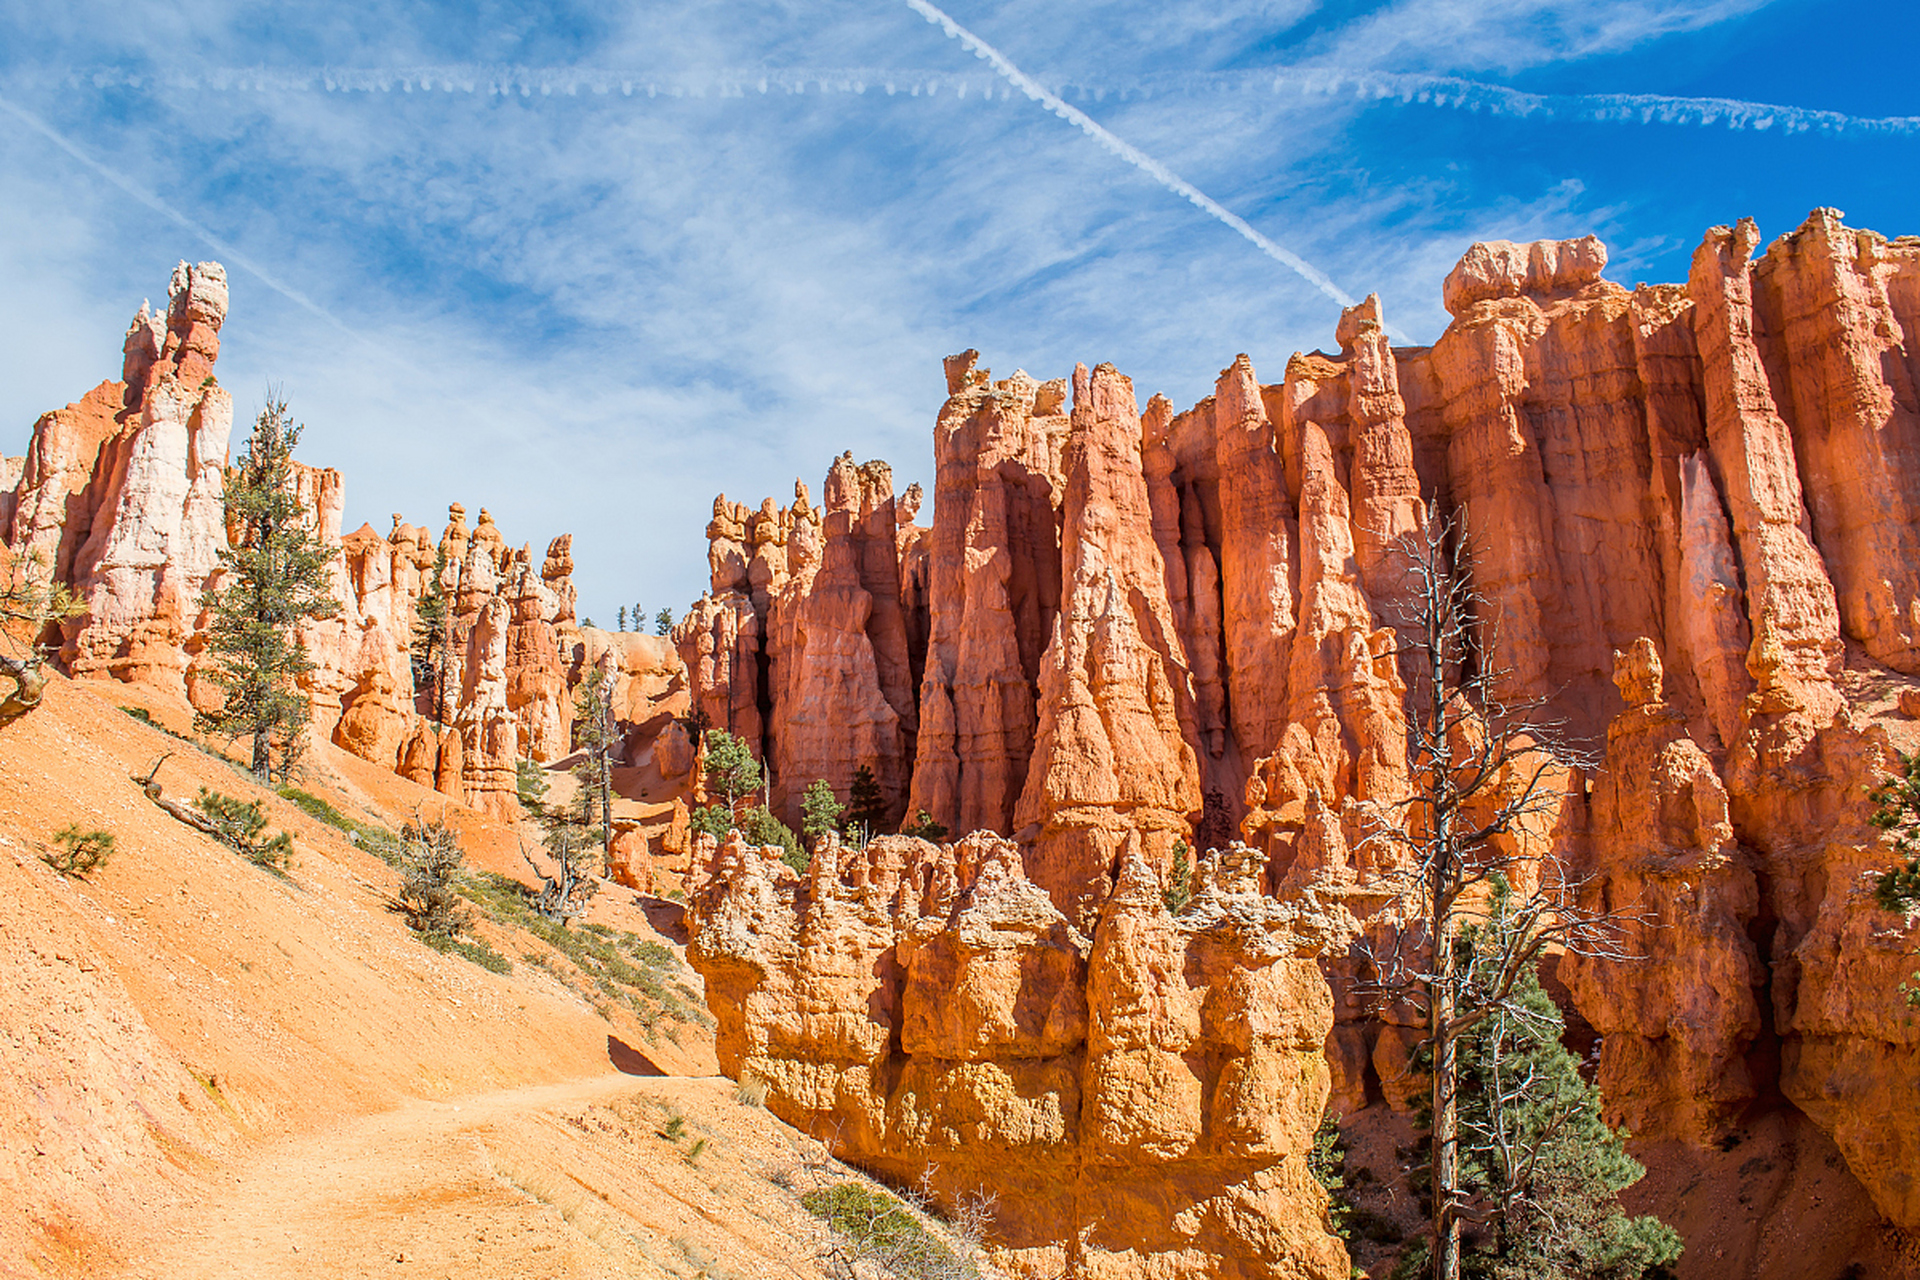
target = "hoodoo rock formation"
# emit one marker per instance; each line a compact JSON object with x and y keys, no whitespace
{"x":1149,"y":627}
{"x":1141,"y":1101}
{"x":1132,"y":639}
{"x":120,"y":497}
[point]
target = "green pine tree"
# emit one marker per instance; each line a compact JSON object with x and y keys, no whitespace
{"x":734,"y":780}
{"x":1897,"y":812}
{"x":595,"y":735}
{"x":1540,"y":1168}
{"x":923,"y":827}
{"x":276,"y":577}
{"x":433,"y":639}
{"x":623,"y":617}
{"x":820,"y":810}
{"x":732,"y":774}
{"x":866,"y":807}
{"x":1179,"y":890}
{"x":663,"y":622}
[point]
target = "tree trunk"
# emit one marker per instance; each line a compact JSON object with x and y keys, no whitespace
{"x":1446,"y":1090}
{"x":262,"y":757}
{"x":606,"y":806}
{"x":1440,"y":999}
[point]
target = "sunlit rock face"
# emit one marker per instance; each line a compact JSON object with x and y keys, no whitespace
{"x":1141,"y":1100}
{"x":1134,"y":628}
{"x":120,"y":497}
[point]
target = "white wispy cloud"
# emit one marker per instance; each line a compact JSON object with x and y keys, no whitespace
{"x":589,"y":309}
{"x":1513,"y":35}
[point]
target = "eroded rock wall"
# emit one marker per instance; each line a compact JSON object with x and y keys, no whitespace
{"x":1141,"y":1100}
{"x":1156,"y":626}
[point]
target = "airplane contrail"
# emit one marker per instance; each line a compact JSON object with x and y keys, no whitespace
{"x":1131,"y":154}
{"x":1383,"y":87}
{"x":226,"y":251}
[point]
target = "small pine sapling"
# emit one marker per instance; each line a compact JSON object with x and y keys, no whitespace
{"x":530,"y":787}
{"x":80,"y":852}
{"x":1327,"y":1162}
{"x":866,"y":807}
{"x":1179,"y":890}
{"x":820,"y":811}
{"x":242,"y":826}
{"x":923,"y":827}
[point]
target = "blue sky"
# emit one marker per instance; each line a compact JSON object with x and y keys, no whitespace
{"x":543,"y":289}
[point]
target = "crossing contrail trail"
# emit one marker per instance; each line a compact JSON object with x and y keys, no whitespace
{"x":1331,"y":82}
{"x":226,"y":251}
{"x":1130,"y":153}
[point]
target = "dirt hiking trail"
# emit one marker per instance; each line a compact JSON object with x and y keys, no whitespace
{"x":536,"y":1183}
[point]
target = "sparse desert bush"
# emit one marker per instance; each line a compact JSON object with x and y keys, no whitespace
{"x":80,"y":852}
{"x":430,"y":858}
{"x":621,"y":966}
{"x":242,"y":826}
{"x":875,"y":1230}
{"x":751,"y":1091}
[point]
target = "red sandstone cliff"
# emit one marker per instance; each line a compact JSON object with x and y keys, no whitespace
{"x":1144,"y":626}
{"x":1691,"y":506}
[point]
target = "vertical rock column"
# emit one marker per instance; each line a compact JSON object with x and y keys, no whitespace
{"x":1676,"y":1024}
{"x":1259,"y":570}
{"x":1114,"y":754}
{"x":1790,"y":600}
{"x":149,"y":556}
{"x":831,"y":715}
{"x":1386,"y":502}
{"x":719,"y":638}
{"x":993,"y":591}
{"x":1850,"y":398}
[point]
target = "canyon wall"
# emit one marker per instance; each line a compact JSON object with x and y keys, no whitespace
{"x":1131,"y":636}
{"x":1148,"y":632}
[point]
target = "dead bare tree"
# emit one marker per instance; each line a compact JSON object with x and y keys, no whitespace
{"x":565,"y":891}
{"x":1485,"y":889}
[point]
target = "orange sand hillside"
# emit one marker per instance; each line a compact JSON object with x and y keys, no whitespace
{"x":203,"y":1064}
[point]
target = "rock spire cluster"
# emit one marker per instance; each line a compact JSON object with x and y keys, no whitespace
{"x":120,"y":497}
{"x":1692,"y":509}
{"x":1131,"y":639}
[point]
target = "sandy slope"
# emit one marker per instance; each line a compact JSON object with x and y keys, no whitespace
{"x":192,"y":1049}
{"x":549,"y":1181}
